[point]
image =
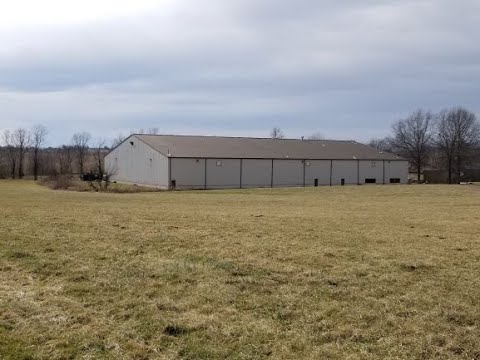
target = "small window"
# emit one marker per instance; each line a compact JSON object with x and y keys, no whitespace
{"x":395,"y":181}
{"x":374,"y":164}
{"x":198,"y":160}
{"x":219,"y":163}
{"x":370,"y":181}
{"x":131,"y":143}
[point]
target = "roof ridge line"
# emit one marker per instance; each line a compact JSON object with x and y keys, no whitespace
{"x":243,"y":137}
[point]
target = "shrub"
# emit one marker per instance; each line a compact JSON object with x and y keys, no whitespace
{"x":58,"y":182}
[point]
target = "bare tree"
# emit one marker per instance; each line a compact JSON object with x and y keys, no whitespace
{"x":412,"y":138}
{"x":118,"y":140}
{"x":458,"y":133}
{"x":277,"y":133}
{"x":153,"y":131}
{"x":39,"y":134}
{"x":384,"y":145}
{"x":11,"y":153}
{"x":80,"y":145}
{"x":65,"y":158}
{"x":316,"y":136}
{"x":103,"y":174}
{"x":21,"y":140}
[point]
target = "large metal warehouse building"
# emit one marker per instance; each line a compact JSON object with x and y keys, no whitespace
{"x":210,"y":162}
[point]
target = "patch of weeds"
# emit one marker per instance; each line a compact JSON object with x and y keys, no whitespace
{"x":47,"y":269}
{"x":6,"y":325}
{"x":406,"y":314}
{"x":80,"y":290}
{"x":13,"y":348}
{"x":332,"y":282}
{"x":147,"y":328}
{"x":166,"y":306}
{"x":239,"y":273}
{"x":284,"y":315}
{"x":19,"y":254}
{"x":413,"y":267}
{"x":94,"y":347}
{"x":176,"y":330}
{"x":457,"y":350}
{"x":439,"y":340}
{"x":79,"y":277}
{"x":361,"y":273}
{"x":197,"y":352}
{"x":460,"y":319}
{"x":213,"y":262}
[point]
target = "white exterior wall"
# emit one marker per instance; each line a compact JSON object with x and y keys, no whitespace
{"x":224,"y":176}
{"x":287,"y":173}
{"x":188,"y":173}
{"x":371,"y":170}
{"x":256,"y":173}
{"x":318,"y":169}
{"x":344,"y":169}
{"x":396,"y":169}
{"x":138,"y":164}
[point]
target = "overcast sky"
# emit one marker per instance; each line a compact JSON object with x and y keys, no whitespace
{"x":346,"y":69}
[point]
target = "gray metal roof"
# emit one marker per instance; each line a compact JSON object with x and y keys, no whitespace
{"x":261,"y":148}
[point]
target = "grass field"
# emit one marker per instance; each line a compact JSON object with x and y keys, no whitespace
{"x":369,"y":272}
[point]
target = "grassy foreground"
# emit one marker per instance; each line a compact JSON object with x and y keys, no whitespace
{"x":370,"y":272}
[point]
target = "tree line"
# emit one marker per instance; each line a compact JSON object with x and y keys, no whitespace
{"x":449,"y":140}
{"x":23,"y":152}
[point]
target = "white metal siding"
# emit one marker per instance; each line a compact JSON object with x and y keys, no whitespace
{"x":344,"y":169}
{"x":371,"y":170}
{"x":256,"y":173}
{"x":396,"y":169}
{"x":287,"y":173}
{"x":317,"y":169}
{"x":223,"y":173}
{"x":142,"y":165}
{"x":188,"y":173}
{"x":138,"y":164}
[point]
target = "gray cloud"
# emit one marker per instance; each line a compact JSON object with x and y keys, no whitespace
{"x":240,"y":67}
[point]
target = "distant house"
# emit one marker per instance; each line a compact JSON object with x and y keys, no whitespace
{"x":210,"y":162}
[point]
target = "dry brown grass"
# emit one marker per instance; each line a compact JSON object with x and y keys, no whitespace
{"x":63,"y":182}
{"x":371,"y":272}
